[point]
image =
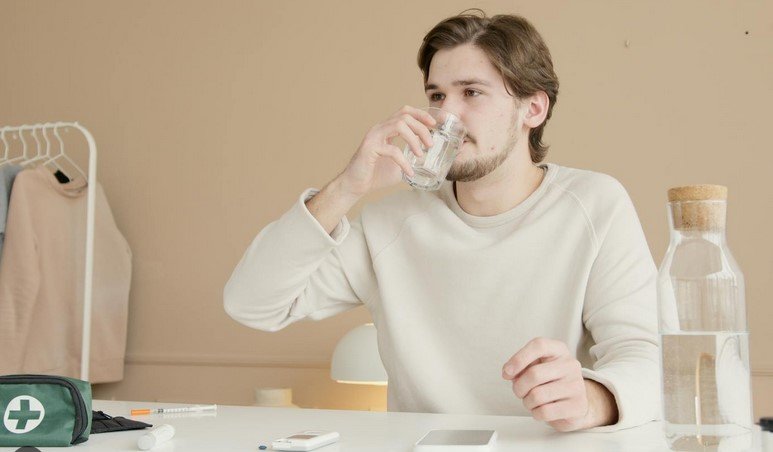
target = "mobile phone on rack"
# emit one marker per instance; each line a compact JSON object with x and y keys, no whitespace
{"x":307,"y":440}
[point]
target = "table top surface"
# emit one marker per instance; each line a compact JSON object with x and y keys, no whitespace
{"x":244,"y":428}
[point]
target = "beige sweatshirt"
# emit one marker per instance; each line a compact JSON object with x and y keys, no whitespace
{"x":454,"y":296}
{"x":41,"y":281}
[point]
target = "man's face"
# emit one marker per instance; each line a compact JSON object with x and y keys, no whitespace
{"x":463,"y":81}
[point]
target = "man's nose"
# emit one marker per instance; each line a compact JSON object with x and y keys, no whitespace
{"x":453,"y":106}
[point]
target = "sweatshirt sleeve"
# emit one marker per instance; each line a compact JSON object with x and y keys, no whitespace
{"x":621,"y":314}
{"x":294,"y":270}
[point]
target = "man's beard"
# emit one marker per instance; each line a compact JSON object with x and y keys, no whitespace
{"x":476,"y":168}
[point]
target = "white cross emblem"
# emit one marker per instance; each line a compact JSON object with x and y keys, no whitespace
{"x":23,"y":414}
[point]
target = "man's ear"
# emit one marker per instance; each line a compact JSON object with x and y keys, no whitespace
{"x":536,"y":109}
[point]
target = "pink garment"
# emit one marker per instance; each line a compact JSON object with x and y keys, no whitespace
{"x":41,"y":281}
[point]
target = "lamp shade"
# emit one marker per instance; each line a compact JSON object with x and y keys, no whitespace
{"x":356,"y":358}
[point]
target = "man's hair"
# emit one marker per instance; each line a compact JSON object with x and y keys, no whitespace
{"x":513,"y":46}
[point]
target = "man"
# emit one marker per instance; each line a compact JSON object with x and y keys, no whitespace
{"x":518,"y":287}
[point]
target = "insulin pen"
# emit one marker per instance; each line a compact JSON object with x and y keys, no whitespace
{"x":184,"y":409}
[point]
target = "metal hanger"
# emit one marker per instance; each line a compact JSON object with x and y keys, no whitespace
{"x":62,"y":154}
{"x":48,"y":145}
{"x":38,"y":154}
{"x":19,"y":158}
{"x":4,"y":159}
{"x":24,"y":158}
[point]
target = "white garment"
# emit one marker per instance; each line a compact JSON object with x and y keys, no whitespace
{"x":454,"y":296}
{"x":42,"y":276}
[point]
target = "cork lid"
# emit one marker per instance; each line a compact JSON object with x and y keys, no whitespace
{"x":698,"y":193}
{"x":698,"y":207}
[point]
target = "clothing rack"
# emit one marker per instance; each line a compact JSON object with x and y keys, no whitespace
{"x":91,"y":196}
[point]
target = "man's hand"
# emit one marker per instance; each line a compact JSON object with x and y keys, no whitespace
{"x":379,"y":163}
{"x":549,"y":381}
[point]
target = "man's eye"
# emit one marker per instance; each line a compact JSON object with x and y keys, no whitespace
{"x":436,"y":96}
{"x":472,"y":92}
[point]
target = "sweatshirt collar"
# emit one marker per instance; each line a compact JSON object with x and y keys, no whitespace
{"x":73,"y":189}
{"x":447,"y":193}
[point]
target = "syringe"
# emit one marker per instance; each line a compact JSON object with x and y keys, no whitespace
{"x":183,"y":409}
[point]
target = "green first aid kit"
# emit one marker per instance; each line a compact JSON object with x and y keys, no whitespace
{"x":44,"y":410}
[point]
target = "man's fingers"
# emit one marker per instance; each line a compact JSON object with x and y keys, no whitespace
{"x":397,"y":156}
{"x":535,"y":349}
{"x":407,"y":134}
{"x":568,"y":425}
{"x":547,"y":377}
{"x":422,"y":115}
{"x":548,"y":393}
{"x":420,"y":130}
{"x":563,"y":409}
{"x":542,"y":373}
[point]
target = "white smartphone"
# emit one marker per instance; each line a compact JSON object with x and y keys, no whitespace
{"x":456,"y":441}
{"x":308,"y":440}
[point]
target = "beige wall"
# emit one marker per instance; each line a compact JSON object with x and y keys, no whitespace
{"x":211,"y":117}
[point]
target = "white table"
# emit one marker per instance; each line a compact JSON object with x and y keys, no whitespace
{"x":235,"y":428}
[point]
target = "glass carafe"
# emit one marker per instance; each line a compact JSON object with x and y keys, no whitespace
{"x":703,"y":330}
